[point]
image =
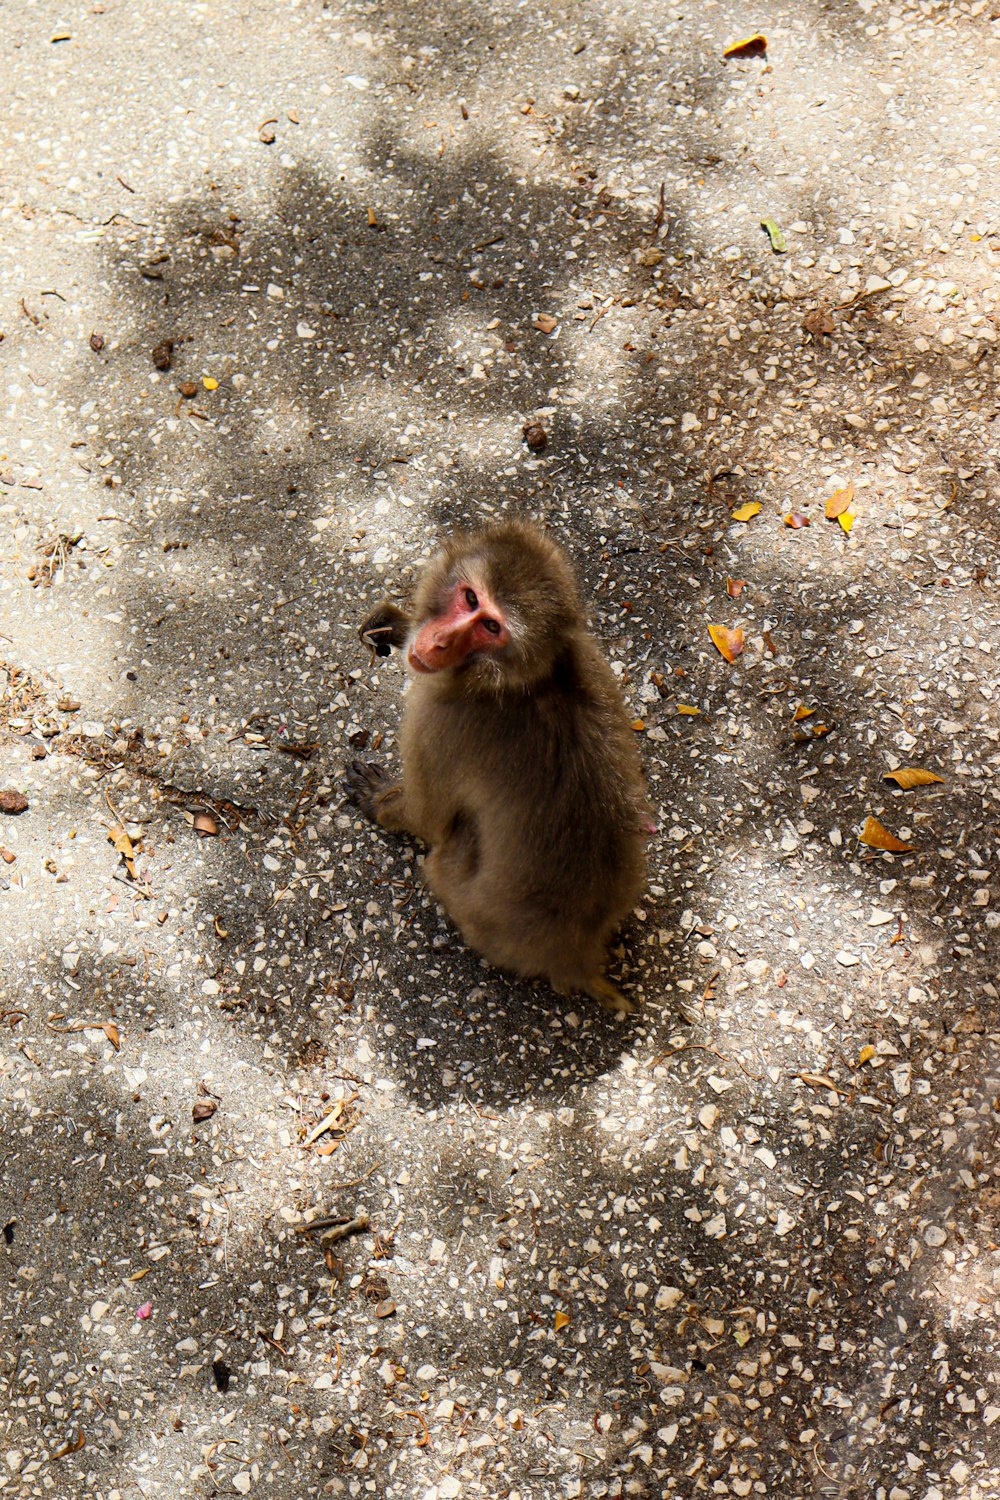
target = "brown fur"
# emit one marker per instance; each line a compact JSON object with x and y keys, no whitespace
{"x":520,"y":771}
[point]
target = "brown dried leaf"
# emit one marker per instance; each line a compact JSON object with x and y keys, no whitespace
{"x":205,"y":823}
{"x":113,"y":1034}
{"x":545,"y":322}
{"x":818,"y":322}
{"x":819,"y":1081}
{"x":839,"y":501}
{"x":124,"y":846}
{"x":796,"y":519}
{"x":203,"y":1109}
{"x":877,"y":836}
{"x":729,"y":642}
{"x":13,"y":802}
{"x":385,"y":1308}
{"x":910,"y":776}
{"x":735,"y":587}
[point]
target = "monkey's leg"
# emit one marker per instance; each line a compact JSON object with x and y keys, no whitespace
{"x":610,"y":996}
{"x":380,"y":799}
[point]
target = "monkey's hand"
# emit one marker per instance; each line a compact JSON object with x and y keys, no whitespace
{"x":384,"y":627}
{"x":371,"y":791}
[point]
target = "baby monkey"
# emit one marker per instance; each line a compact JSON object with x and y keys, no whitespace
{"x":520,"y":770}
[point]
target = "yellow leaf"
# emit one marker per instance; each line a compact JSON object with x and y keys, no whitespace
{"x":687,"y":708}
{"x":638,"y":725}
{"x":866,"y":1054}
{"x":802,"y":712}
{"x":839,"y":501}
{"x":748,"y":46}
{"x":746,"y":512}
{"x":729,"y":642}
{"x":210,"y":383}
{"x":562,"y":1318}
{"x":877,"y":836}
{"x":847,"y":519}
{"x":910,"y":776}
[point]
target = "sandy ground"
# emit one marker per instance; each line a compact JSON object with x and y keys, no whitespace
{"x":280,"y":286}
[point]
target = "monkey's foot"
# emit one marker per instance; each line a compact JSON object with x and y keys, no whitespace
{"x":610,"y":996}
{"x":368,"y":787}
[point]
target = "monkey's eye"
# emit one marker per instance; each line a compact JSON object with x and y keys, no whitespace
{"x":493,"y":626}
{"x":471,"y":599}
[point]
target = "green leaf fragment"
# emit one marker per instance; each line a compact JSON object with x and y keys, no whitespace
{"x":775,"y":235}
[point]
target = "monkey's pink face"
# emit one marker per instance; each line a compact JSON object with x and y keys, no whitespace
{"x":469,"y":624}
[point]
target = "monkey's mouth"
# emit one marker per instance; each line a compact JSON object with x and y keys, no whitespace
{"x":415,"y":663}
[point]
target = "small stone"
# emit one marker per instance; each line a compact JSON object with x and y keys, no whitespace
{"x":720,"y":1085}
{"x":847,"y":959}
{"x":242,"y":1482}
{"x":935,"y":1236}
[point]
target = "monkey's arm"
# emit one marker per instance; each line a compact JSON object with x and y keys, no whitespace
{"x":380,"y":799}
{"x":385,"y":626}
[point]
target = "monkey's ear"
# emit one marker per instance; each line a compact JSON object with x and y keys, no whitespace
{"x":386,"y":626}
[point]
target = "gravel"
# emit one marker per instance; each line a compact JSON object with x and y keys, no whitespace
{"x":285,"y":290}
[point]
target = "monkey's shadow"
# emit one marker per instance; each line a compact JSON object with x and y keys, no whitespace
{"x":454,"y":1027}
